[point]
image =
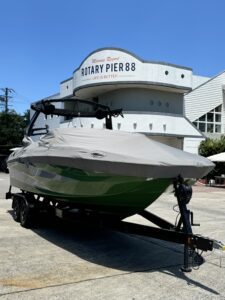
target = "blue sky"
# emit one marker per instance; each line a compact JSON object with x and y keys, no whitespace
{"x":43,"y":41}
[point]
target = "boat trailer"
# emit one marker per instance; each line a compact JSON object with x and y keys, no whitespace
{"x":25,"y":207}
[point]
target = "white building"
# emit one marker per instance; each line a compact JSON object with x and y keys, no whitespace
{"x":150,"y":93}
{"x":204,"y":106}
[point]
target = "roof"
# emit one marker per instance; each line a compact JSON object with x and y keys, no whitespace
{"x":134,"y":55}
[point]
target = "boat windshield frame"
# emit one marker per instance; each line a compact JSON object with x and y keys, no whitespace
{"x":47,"y":107}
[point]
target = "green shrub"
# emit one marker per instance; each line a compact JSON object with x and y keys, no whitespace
{"x":210,"y":147}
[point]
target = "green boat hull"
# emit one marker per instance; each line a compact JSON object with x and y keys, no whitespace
{"x":112,"y":194}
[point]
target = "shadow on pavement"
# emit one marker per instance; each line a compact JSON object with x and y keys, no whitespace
{"x":129,"y":253}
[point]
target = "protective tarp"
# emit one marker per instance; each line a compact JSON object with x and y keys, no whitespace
{"x":113,"y":152}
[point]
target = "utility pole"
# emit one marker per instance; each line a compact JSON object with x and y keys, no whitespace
{"x":5,"y":98}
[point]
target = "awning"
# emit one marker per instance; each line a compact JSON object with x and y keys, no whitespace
{"x":220,"y":157}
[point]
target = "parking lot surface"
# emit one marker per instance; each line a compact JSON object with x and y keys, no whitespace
{"x":57,"y":261}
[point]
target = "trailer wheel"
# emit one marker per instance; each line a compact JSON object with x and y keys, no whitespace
{"x":16,"y":208}
{"x":26,"y":213}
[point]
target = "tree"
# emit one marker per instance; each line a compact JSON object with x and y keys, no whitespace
{"x":12,"y":127}
{"x":210,"y":147}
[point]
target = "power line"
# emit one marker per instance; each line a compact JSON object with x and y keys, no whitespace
{"x":5,"y":98}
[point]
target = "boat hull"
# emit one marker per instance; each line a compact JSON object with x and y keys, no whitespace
{"x":123,"y":195}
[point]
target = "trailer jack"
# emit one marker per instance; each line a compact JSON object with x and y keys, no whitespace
{"x":181,"y":233}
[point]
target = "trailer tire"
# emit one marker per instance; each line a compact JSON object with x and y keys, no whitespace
{"x":26,"y":213}
{"x":16,"y":208}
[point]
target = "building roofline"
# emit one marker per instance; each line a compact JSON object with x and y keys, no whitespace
{"x":210,"y":79}
{"x":65,"y":80}
{"x":135,"y":56}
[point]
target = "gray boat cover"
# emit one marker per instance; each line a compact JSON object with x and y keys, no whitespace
{"x":114,"y":152}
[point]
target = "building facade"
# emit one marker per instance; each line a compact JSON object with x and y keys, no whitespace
{"x":155,"y":97}
{"x":205,"y":106}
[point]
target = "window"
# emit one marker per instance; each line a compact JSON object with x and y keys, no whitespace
{"x":201,"y":126}
{"x":210,"y":122}
{"x":218,"y":108}
{"x":210,"y":117}
{"x":217,"y":128}
{"x":217,"y":118}
{"x":210,"y":127}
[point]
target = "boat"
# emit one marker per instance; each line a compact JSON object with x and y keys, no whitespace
{"x":99,"y":177}
{"x":111,"y":171}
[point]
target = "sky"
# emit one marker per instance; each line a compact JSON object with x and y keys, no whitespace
{"x":43,"y":41}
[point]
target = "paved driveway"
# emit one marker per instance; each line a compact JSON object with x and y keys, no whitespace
{"x":56,"y":261}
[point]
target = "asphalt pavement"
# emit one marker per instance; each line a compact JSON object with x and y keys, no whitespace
{"x":57,"y":261}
